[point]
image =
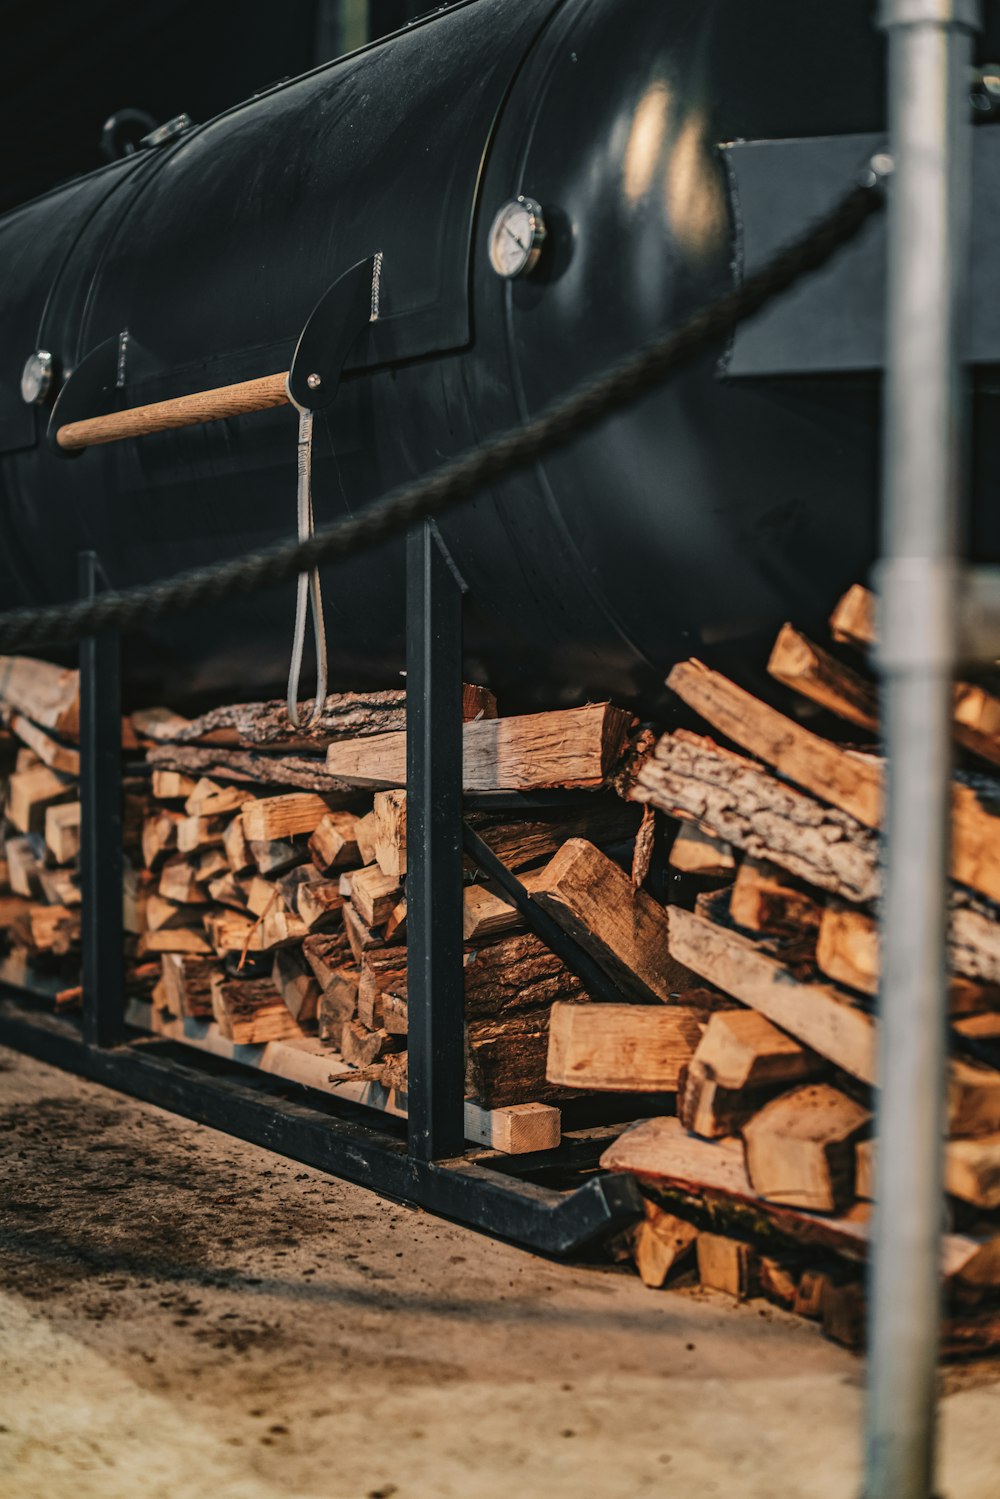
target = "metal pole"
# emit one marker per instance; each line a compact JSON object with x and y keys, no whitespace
{"x":930,"y":49}
{"x":101,"y":825}
{"x":435,"y":1000}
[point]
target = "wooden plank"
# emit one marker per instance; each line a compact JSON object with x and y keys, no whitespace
{"x":620,"y":1048}
{"x":518,"y":1129}
{"x":573,"y":747}
{"x":800,"y":1148}
{"x":278,"y":817}
{"x":623,"y":928}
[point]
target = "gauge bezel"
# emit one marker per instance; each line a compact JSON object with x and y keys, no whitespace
{"x":536,"y":221}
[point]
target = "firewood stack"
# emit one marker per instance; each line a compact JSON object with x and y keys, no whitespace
{"x":762,"y":1180}
{"x":273,"y":891}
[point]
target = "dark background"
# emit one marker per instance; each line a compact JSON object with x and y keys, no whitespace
{"x":66,"y":66}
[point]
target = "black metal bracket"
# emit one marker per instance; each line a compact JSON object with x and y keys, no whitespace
{"x":101,"y":824}
{"x":333,"y":327}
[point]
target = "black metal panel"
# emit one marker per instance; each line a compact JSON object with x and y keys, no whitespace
{"x":834,"y":321}
{"x":101,"y":825}
{"x":540,"y":1219}
{"x":435,"y":986}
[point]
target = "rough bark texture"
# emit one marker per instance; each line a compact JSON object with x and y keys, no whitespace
{"x":692,"y":777}
{"x":251,"y":766}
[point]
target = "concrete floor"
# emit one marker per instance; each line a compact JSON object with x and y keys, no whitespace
{"x":189,"y":1316}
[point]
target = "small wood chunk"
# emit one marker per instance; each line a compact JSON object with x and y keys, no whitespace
{"x":800,"y":1148}
{"x":212,"y":862}
{"x":799,"y":664}
{"x":31,"y":792}
{"x":775,"y":1281}
{"x":196,"y":833}
{"x":726,"y":1265}
{"x":187,"y":981}
{"x":263,"y":896}
{"x":208,"y":799}
{"x":360,"y":1047}
{"x":162,"y":914}
{"x":972,"y":1171}
{"x":159,"y":837}
{"x":326,"y":953}
{"x":274,"y":856}
{"x":844,"y":1312}
{"x":170,"y":939}
{"x":625,"y":929}
{"x":766,"y":899}
{"x":23,"y":866}
{"x":695,"y":852}
{"x":374,"y":895}
{"x":486,"y":914}
{"x":707,"y":1109}
{"x":389,"y":813}
{"x":319,"y":903}
{"x":741,"y":1049}
{"x":809,"y":1292}
{"x":364,"y":834}
{"x":60,"y":757}
{"x":60,"y":886}
{"x":847,"y":947}
{"x":338,"y":1003}
{"x":171,"y":785}
{"x":278,"y":817}
{"x":178,"y":882}
{"x":62,"y":831}
{"x":53,"y":929}
{"x":394,"y":930}
{"x":659,"y":1243}
{"x":26,"y":759}
{"x":620,"y":1048}
{"x":853,"y":621}
{"x":973,"y":1099}
{"x":360,"y":937}
{"x":48,"y":695}
{"x":226,"y":890}
{"x":249,"y":1013}
{"x":574,"y":747}
{"x":296,"y":983}
{"x":236,"y":848}
{"x":333,"y":844}
{"x":382,"y":971}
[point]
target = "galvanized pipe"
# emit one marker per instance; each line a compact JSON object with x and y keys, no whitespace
{"x":930,"y":51}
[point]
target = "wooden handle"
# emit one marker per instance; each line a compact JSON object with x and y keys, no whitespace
{"x":183,"y":411}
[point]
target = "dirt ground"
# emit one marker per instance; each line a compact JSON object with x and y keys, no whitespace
{"x":186,"y":1314}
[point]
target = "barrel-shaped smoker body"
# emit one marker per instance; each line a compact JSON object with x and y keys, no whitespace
{"x":695,"y":522}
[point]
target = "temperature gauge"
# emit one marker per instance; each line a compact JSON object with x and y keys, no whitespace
{"x":516,"y":238}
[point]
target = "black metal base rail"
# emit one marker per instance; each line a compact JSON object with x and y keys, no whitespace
{"x":431,"y":1167}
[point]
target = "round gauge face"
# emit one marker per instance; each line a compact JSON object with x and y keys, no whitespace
{"x":516,"y":237}
{"x":36,"y":377}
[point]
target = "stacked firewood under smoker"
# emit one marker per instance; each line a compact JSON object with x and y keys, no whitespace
{"x":266,"y":908}
{"x":761,"y":1182}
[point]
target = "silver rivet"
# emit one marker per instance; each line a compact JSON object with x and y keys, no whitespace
{"x":314,"y":381}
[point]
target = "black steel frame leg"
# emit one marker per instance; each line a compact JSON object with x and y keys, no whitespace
{"x":435,"y":998}
{"x":101,"y":825}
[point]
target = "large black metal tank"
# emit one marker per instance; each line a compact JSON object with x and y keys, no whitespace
{"x":696,"y":522}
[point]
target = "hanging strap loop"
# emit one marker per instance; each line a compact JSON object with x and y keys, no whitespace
{"x":310,"y":593}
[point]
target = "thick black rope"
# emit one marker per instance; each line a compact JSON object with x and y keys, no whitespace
{"x":497,"y":458}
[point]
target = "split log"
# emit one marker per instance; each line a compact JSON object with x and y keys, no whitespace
{"x":800,"y":1148}
{"x":854,"y":620}
{"x":62,"y":831}
{"x":188,"y":983}
{"x":61,"y":887}
{"x":360,"y":1047}
{"x":573,"y":747}
{"x":236,"y":848}
{"x":279,"y":817}
{"x":364,"y":833}
{"x":382,"y":971}
{"x":333,"y":844}
{"x":195,"y":833}
{"x":802,"y":666}
{"x":162,"y":915}
{"x":848,"y":945}
{"x":48,"y":695}
{"x":389,"y":813}
{"x":374,"y":895}
{"x":178,"y":882}
{"x":274,"y":856}
{"x":659,"y":1243}
{"x":727,"y":1265}
{"x":741,"y":1049}
{"x":692,"y":777}
{"x":31,"y":792}
{"x":765,"y":899}
{"x":226,"y":890}
{"x":360,"y":937}
{"x":296,"y":983}
{"x":487,"y":914}
{"x":49,"y":929}
{"x":211,"y":863}
{"x":326,"y":953}
{"x":23,"y":866}
{"x":706,"y":1108}
{"x":603,"y":819}
{"x":208,"y":799}
{"x":248,"y":1012}
{"x":319,"y":903}
{"x":971,"y":1170}
{"x":253,"y":768}
{"x":173,"y":940}
{"x":59,"y":757}
{"x":518,"y":972}
{"x":695,"y":852}
{"x":338,"y":1004}
{"x":621,"y":1048}
{"x":171,"y":785}
{"x":624,"y":929}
